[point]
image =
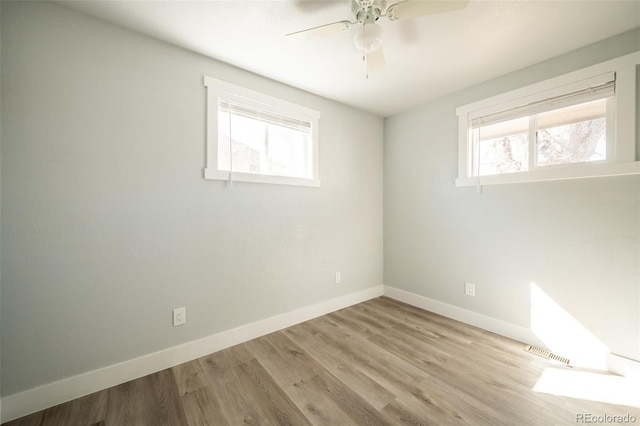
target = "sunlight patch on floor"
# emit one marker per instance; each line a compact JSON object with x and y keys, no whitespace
{"x":606,"y":388}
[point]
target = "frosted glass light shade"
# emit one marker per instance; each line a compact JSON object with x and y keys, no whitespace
{"x":368,"y":38}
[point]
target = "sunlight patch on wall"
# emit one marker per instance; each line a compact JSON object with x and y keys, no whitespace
{"x":563,"y":334}
{"x":607,"y":388}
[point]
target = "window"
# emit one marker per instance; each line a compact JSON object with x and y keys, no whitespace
{"x":578,"y":125}
{"x":252,"y":137}
{"x":564,"y":130}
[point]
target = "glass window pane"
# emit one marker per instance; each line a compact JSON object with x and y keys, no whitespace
{"x":575,"y":134}
{"x":502,"y":147}
{"x":261,"y":147}
{"x":247,"y":143}
{"x":289,"y":152}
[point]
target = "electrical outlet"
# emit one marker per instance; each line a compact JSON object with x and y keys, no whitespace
{"x":338,"y":277}
{"x":469,"y":289}
{"x":179,"y":316}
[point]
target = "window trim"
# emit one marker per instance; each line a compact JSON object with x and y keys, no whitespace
{"x":623,"y":161}
{"x":217,"y":90}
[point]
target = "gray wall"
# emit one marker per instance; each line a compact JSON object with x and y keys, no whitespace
{"x":108,"y":224}
{"x":578,"y":240}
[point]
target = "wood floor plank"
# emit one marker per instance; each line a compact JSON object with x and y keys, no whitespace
{"x":237,"y":355}
{"x":374,"y":393}
{"x":126,"y":404}
{"x":285,"y":361}
{"x":162,"y":402}
{"x":378,"y":362}
{"x":495,"y":347}
{"x":202,"y":408}
{"x":388,"y":372}
{"x":235,"y":405}
{"x":364,"y":325}
{"x":414,"y":325}
{"x":435,"y":321}
{"x":350,"y":402}
{"x":317,"y":407}
{"x":449,"y":359}
{"x":83,"y":411}
{"x":446,"y":348}
{"x":459,"y":379}
{"x":190,"y":377}
{"x":400,"y":413}
{"x":468,"y":409}
{"x":268,"y":396}
{"x":405,"y":388}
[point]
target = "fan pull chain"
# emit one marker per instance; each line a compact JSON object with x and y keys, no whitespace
{"x":364,"y":55}
{"x":478,"y":185}
{"x":230,"y":180}
{"x":364,"y":24}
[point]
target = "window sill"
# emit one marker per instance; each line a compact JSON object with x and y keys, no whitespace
{"x":575,"y":172}
{"x":255,"y":178}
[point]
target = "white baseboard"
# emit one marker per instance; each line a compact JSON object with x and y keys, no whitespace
{"x":503,"y":328}
{"x":45,"y":396}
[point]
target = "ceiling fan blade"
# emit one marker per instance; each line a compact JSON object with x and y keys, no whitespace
{"x":375,"y":60}
{"x":414,"y":8}
{"x":322,"y":30}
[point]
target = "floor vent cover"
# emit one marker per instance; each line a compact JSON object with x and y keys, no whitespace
{"x":546,"y":354}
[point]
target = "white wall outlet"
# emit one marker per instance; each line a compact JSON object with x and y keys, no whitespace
{"x":338,"y":277}
{"x":179,"y":316}
{"x":469,"y":289}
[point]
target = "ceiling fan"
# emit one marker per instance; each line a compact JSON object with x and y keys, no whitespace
{"x":368,"y":38}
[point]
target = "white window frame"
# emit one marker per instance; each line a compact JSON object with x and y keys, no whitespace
{"x":621,"y":155}
{"x":221,"y":90}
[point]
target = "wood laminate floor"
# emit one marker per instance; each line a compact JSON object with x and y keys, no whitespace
{"x":377,"y":363}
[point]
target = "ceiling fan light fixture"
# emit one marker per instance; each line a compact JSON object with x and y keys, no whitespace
{"x":369,"y":39}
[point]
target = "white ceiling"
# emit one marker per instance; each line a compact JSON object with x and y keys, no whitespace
{"x":426,"y":57}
